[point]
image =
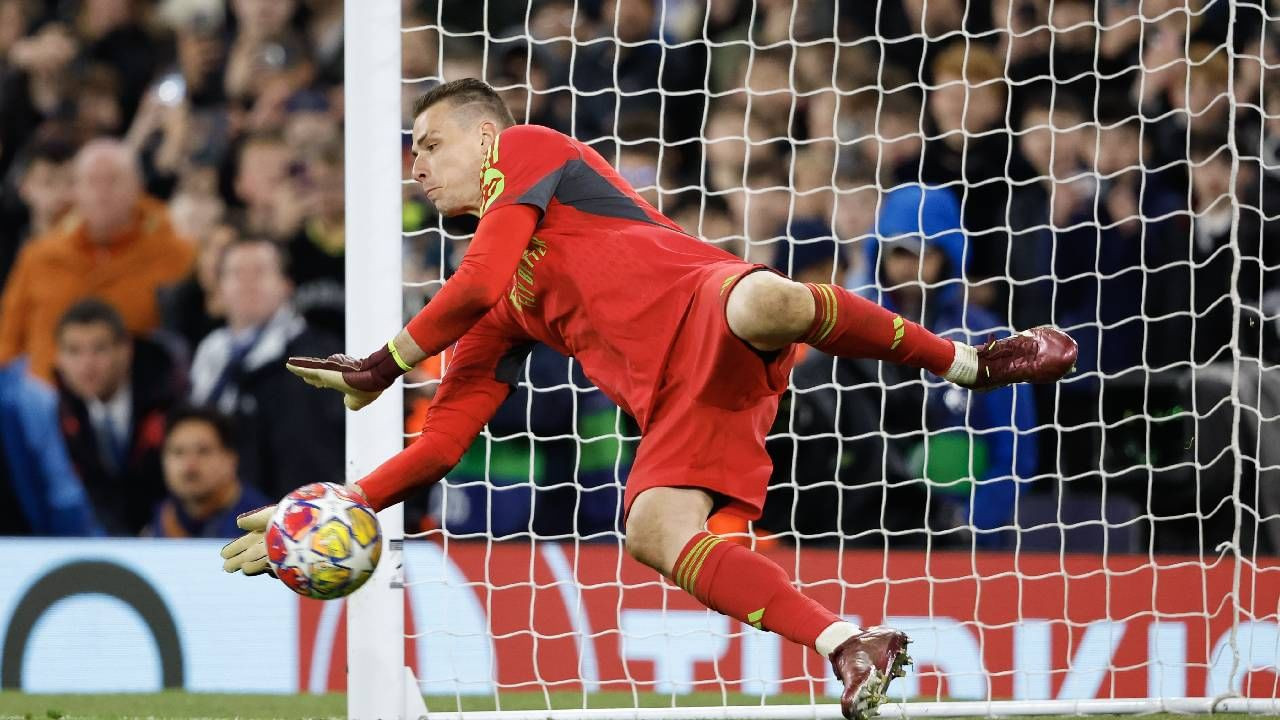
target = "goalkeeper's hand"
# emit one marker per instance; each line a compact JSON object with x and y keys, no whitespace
{"x":248,"y":553}
{"x":360,"y":381}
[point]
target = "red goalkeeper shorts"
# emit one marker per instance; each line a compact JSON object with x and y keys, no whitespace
{"x":716,"y":399}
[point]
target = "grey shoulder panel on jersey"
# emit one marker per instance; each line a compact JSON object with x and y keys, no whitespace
{"x":542,"y":191}
{"x":579,"y":186}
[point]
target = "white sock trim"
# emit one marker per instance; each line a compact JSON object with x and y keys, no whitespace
{"x":964,"y":368}
{"x":836,"y":633}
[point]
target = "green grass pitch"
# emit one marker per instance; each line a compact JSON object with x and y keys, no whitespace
{"x":312,"y":707}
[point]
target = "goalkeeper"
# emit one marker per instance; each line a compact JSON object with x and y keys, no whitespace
{"x":694,"y":343}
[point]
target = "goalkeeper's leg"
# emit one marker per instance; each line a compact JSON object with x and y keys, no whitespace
{"x":770,"y":312}
{"x":665,"y":531}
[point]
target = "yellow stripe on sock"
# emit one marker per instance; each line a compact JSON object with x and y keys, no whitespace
{"x":682,"y":570}
{"x":695,"y":563}
{"x":821,"y":308}
{"x":688,"y":563}
{"x":830,"y":322}
{"x":693,"y":577}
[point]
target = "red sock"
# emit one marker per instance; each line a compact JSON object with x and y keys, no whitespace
{"x":733,"y":580}
{"x":850,"y":326}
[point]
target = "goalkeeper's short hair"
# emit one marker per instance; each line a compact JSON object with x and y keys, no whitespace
{"x":465,"y":92}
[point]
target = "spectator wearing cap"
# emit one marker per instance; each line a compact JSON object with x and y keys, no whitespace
{"x":117,"y":244}
{"x":113,"y":395}
{"x":973,"y":448}
{"x":204,"y":491}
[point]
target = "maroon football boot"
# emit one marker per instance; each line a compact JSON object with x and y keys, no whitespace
{"x":1042,"y":354}
{"x":867,"y":663}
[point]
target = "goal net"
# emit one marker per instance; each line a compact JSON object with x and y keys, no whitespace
{"x":1107,"y":544}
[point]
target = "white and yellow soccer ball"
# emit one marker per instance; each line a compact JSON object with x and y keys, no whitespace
{"x":323,"y":541}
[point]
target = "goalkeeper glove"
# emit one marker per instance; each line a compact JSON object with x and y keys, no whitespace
{"x":248,"y":553}
{"x":360,"y":381}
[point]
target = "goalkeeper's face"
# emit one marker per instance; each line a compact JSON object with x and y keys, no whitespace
{"x":449,"y":148}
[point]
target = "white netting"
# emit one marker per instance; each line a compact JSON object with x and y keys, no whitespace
{"x":1110,"y":169}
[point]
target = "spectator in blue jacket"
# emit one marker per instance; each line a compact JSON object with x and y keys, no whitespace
{"x":973,"y":448}
{"x":41,"y":492}
{"x":205,"y":492}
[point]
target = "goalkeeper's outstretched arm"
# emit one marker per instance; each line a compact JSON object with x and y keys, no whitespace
{"x":458,"y":412}
{"x":478,"y":284}
{"x":483,"y":368}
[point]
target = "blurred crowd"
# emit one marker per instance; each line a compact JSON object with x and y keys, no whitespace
{"x":171,"y":228}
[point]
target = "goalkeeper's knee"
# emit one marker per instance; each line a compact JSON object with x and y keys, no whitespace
{"x":769,"y":311}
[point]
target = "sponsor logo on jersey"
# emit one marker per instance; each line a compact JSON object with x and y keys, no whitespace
{"x":492,"y":180}
{"x":522,"y":290}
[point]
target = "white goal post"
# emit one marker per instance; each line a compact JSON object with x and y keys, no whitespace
{"x":377,"y":685}
{"x":1097,"y":594}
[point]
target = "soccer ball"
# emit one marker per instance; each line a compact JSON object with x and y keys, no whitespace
{"x":323,"y":541}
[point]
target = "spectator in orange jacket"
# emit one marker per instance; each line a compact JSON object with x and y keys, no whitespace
{"x":117,"y":245}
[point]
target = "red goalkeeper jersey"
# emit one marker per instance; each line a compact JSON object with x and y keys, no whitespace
{"x":604,"y":278}
{"x":601,"y":279}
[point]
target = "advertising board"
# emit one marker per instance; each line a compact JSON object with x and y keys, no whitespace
{"x":121,"y":615}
